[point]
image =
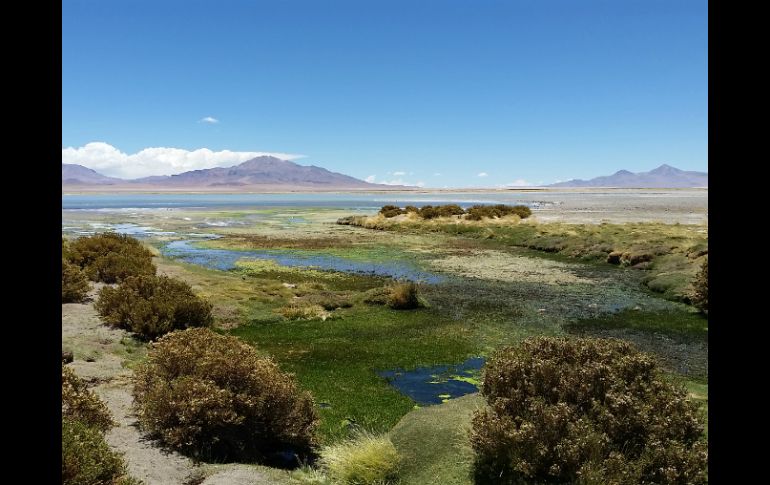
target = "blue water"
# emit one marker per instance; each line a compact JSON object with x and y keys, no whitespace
{"x":433,"y":385}
{"x":225,"y":259}
{"x":356,"y":201}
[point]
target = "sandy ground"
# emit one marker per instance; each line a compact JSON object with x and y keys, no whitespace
{"x":501,"y":266}
{"x":102,"y":355}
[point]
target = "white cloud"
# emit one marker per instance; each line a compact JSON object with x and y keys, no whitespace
{"x":401,"y":182}
{"x":399,"y":174}
{"x":108,"y":160}
{"x":519,"y":183}
{"x":208,"y":119}
{"x":437,"y":174}
{"x":370,"y":179}
{"x":482,"y":174}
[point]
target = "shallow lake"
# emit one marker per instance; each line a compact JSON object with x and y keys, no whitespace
{"x":434,"y":385}
{"x":225,"y":259}
{"x":357,"y":201}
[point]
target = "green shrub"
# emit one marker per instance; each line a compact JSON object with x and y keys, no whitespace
{"x":431,"y":212}
{"x":478,"y":212}
{"x":153,"y":305}
{"x":701,"y":285}
{"x":391,"y":211}
{"x":411,"y":208}
{"x":110,"y":257}
{"x":86,"y":459}
{"x":403,"y":296}
{"x":213,"y":396}
{"x":80,"y":404}
{"x":584,"y":411}
{"x":366,"y":459}
{"x":74,"y":284}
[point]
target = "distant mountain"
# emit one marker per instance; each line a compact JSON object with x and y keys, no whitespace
{"x":261,"y":173}
{"x":664,"y":176}
{"x":73,"y":174}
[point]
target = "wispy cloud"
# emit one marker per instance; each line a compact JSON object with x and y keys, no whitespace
{"x":108,"y":160}
{"x":399,"y":174}
{"x":519,"y":183}
{"x":372,"y":179}
{"x":482,"y":174}
{"x":208,"y":119}
{"x":437,"y":174}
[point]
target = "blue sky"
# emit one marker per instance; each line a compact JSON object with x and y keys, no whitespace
{"x":529,"y":91}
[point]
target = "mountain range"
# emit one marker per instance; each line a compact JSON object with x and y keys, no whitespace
{"x":261,"y":173}
{"x":273,"y":174}
{"x":664,"y":176}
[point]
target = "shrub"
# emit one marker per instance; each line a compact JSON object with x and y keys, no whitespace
{"x":701,"y":285}
{"x":153,"y":305}
{"x":431,"y":212}
{"x":80,"y":404}
{"x":213,"y":396}
{"x":403,"y":296}
{"x":110,"y":257}
{"x":411,"y":208}
{"x":391,"y":211}
{"x":478,"y":212}
{"x":365,"y":459}
{"x":584,"y":410}
{"x":86,"y":459}
{"x":74,"y":284}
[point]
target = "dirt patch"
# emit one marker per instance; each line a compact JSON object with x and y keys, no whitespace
{"x":237,"y":475}
{"x":501,"y":266}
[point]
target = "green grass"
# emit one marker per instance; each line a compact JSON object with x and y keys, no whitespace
{"x":678,"y":324}
{"x":337,"y":360}
{"x":433,"y":443}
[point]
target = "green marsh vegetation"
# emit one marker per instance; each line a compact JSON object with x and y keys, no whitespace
{"x":669,"y":254}
{"x":473,"y":313}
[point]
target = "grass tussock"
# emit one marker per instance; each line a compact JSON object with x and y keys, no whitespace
{"x":304,"y":311}
{"x":399,"y":296}
{"x":366,"y":459}
{"x":403,"y":296}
